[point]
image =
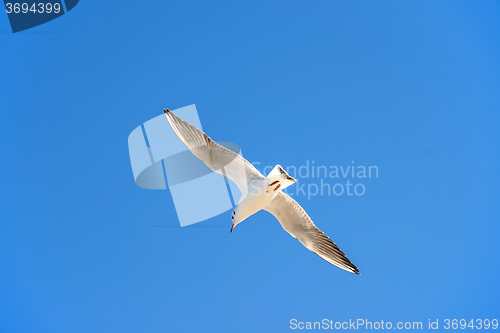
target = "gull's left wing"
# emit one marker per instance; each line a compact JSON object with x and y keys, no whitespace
{"x":215,"y":156}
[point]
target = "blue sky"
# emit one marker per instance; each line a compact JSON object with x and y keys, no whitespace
{"x":411,"y":87}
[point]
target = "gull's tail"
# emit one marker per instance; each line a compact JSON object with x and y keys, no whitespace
{"x":280,"y":177}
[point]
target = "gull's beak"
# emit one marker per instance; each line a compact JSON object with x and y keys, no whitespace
{"x":232,"y":228}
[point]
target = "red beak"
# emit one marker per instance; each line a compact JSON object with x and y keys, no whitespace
{"x":232,"y":228}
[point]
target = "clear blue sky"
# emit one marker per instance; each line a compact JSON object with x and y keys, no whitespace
{"x":412,"y":87}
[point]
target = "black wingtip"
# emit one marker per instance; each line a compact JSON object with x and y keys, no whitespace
{"x":166,"y":110}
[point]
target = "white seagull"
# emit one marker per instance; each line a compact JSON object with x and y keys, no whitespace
{"x":260,"y":192}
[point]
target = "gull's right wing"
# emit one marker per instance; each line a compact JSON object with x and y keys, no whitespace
{"x":297,"y":223}
{"x":215,"y":156}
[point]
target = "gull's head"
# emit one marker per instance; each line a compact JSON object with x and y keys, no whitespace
{"x":236,"y":218}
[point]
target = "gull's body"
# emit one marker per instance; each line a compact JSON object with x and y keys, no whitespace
{"x":259,"y":192}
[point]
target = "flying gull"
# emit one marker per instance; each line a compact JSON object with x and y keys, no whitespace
{"x":260,"y":192}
